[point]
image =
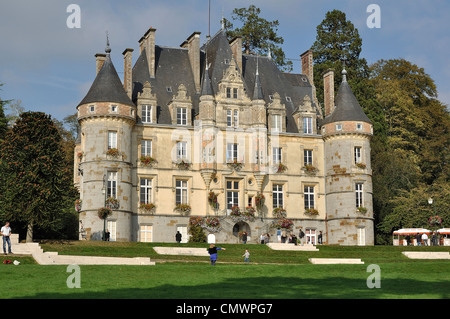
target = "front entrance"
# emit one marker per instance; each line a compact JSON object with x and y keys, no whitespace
{"x":240,"y":227}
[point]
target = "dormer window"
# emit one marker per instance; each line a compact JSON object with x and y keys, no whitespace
{"x":146,"y":114}
{"x":338,"y":127}
{"x":276,"y":123}
{"x":114,"y":108}
{"x":181,"y":116}
{"x":92,"y":108}
{"x":359,"y":126}
{"x":307,"y":125}
{"x":233,"y":118}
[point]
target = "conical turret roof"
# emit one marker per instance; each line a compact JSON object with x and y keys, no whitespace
{"x":107,"y":86}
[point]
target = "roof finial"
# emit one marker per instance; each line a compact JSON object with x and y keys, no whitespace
{"x":344,"y":73}
{"x":108,"y":49}
{"x":257,"y":64}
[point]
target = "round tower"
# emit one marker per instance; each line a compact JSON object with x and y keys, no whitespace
{"x":106,"y":116}
{"x":347,"y":132}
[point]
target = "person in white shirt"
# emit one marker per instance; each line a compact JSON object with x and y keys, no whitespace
{"x":425,"y":239}
{"x":6,"y":232}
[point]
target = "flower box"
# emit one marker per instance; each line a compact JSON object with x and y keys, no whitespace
{"x":183,"y":164}
{"x":113,"y":152}
{"x":80,"y":155}
{"x":310,"y":169}
{"x":149,"y":208}
{"x":147,"y":160}
{"x":361,"y":210}
{"x":235,"y":165}
{"x":212,"y":224}
{"x":311,"y":212}
{"x":183,"y":209}
{"x":283,"y":223}
{"x":195,"y":221}
{"x":280,"y":168}
{"x":112,"y":203}
{"x":361,"y":165}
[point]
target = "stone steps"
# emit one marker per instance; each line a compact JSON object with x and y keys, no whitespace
{"x":427,"y":254}
{"x":331,"y":261}
{"x":290,"y":246}
{"x":181,"y":251}
{"x":53,"y":258}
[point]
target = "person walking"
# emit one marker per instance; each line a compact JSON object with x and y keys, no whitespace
{"x":247,"y":256}
{"x":244,"y":238}
{"x":301,"y":235}
{"x":178,"y":236}
{"x":418,"y":239}
{"x":319,"y":239}
{"x":6,"y":232}
{"x":212,"y":250}
{"x":425,"y":239}
{"x":261,"y":238}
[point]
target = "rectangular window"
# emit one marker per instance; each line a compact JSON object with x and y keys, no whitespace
{"x":111,"y":227}
{"x":307,"y":125}
{"x":250,"y":201}
{"x":277,"y":196}
{"x":276,"y":123}
{"x":359,"y":194}
{"x":229,"y":118}
{"x":181,"y":116}
{"x":232,"y":152}
{"x":111,"y":189}
{"x":112,"y":139}
{"x":146,"y":232}
{"x":232,"y":194}
{"x":114,"y":108}
{"x":181,"y":150}
{"x":309,"y":197}
{"x":338,"y":127}
{"x":146,"y":113}
{"x":358,"y":157}
{"x":146,"y":191}
{"x":276,"y":155}
{"x":310,"y":236}
{"x":181,"y":192}
{"x":146,"y":148}
{"x":228,"y":93}
{"x":308,"y":157}
{"x":236,"y":118}
{"x":235,"y":93}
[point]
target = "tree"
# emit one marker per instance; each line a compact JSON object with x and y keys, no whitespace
{"x":258,"y":35}
{"x":36,"y":184}
{"x":3,"y":119}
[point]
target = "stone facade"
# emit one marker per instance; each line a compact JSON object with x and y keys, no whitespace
{"x":176,"y":144}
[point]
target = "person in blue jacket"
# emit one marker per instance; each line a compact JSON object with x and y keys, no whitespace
{"x":212,"y":250}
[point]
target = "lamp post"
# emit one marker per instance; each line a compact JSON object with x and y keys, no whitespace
{"x":430,"y":201}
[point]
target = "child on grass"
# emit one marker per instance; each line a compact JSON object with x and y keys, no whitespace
{"x":247,"y":256}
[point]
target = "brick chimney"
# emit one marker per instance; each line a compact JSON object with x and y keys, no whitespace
{"x":147,"y":42}
{"x":127,"y":71}
{"x":193,"y":45}
{"x":236,"y":48}
{"x":99,"y":60}
{"x":328,"y":91}
{"x":307,"y":65}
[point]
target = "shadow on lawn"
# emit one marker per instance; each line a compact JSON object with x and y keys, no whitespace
{"x":270,"y":288}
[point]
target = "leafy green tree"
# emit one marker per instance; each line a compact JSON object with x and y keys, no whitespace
{"x":258,"y":35}
{"x":3,"y":119}
{"x":36,"y":184}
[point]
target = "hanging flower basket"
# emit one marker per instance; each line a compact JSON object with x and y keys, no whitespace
{"x":113,"y":152}
{"x":310,"y":169}
{"x":80,"y":155}
{"x":112,"y":203}
{"x":235,"y":165}
{"x":104,"y":212}
{"x":195,"y":221}
{"x":362,"y":210}
{"x":311,"y":212}
{"x":249,"y":213}
{"x":259,"y":200}
{"x":78,"y":204}
{"x":435,"y":221}
{"x":279,"y":212}
{"x":212,"y":224}
{"x":148,"y":208}
{"x":283,"y":223}
{"x":212,"y":200}
{"x":281,"y":168}
{"x":147,"y":160}
{"x":183,"y":209}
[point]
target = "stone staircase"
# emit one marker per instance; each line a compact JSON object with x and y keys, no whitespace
{"x":290,"y":246}
{"x":427,"y":254}
{"x":332,"y":261}
{"x":53,"y":258}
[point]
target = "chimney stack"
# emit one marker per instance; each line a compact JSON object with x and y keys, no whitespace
{"x":236,"y":48}
{"x":147,"y":42}
{"x":127,"y":70}
{"x":328,"y":91}
{"x":307,"y":65}
{"x":193,"y":45}
{"x":99,"y":60}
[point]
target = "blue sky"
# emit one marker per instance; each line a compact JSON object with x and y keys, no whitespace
{"x":50,"y":67}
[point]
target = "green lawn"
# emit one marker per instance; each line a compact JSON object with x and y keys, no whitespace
{"x":271,"y":274}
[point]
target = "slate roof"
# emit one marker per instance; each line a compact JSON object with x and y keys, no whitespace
{"x":107,"y":86}
{"x":347,"y":107}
